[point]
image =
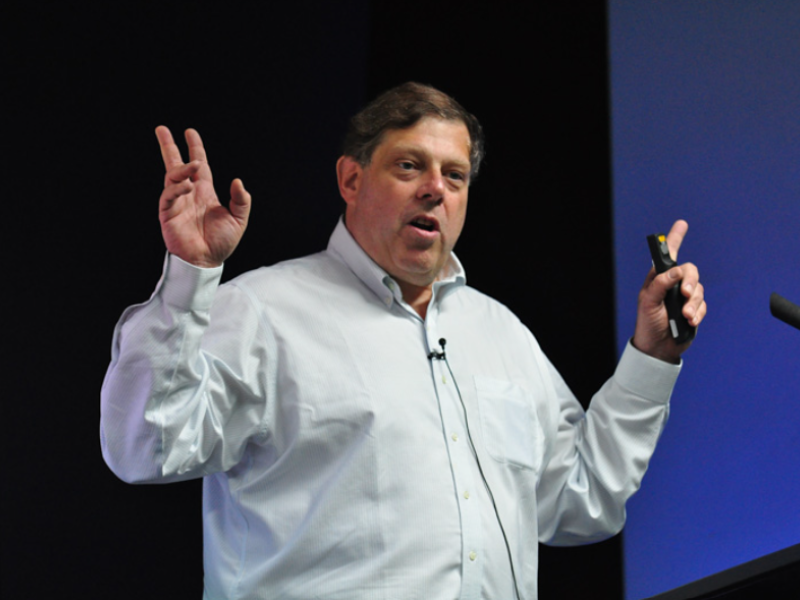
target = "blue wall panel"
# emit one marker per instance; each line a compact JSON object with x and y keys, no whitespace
{"x":706,"y":127}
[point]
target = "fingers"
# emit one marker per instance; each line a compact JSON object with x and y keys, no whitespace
{"x":197,"y":152}
{"x":181,"y":172}
{"x":172,"y":192}
{"x":694,"y":308}
{"x":169,"y":151}
{"x":675,"y":237}
{"x":171,"y":154}
{"x":178,"y":182}
{"x":196,"y":149}
{"x":697,"y":309}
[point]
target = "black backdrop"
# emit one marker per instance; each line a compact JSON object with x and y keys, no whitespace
{"x":270,"y":89}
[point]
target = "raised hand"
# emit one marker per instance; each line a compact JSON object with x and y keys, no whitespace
{"x":652,"y":334}
{"x":195,"y":226}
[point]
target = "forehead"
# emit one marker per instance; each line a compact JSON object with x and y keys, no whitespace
{"x":442,"y":138}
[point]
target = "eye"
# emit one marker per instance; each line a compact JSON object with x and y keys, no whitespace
{"x":405,"y":165}
{"x":457,"y":176}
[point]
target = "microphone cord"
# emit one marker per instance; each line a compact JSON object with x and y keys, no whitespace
{"x":443,"y":356}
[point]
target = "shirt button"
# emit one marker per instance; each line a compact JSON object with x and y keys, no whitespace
{"x":466,"y":495}
{"x":473,"y":556}
{"x":455,"y":437}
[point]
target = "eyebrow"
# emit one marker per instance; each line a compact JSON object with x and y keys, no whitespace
{"x":420,"y":153}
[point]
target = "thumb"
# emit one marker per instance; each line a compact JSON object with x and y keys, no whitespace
{"x":240,"y":201}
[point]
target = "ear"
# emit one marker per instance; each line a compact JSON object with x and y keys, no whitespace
{"x":350,"y":175}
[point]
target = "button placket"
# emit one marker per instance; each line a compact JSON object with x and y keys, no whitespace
{"x":462,"y":463}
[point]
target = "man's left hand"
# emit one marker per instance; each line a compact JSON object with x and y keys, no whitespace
{"x":652,"y":334}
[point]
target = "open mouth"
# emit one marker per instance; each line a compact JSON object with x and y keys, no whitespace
{"x":424,"y":223}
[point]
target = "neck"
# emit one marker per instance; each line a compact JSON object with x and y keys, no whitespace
{"x":417,"y":296}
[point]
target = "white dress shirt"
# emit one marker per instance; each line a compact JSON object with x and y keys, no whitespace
{"x":338,"y":459}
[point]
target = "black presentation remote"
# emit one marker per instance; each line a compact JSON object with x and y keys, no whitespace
{"x":679,"y":327}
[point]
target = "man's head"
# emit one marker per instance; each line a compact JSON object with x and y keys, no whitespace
{"x":402,"y":107}
{"x":406,"y":186}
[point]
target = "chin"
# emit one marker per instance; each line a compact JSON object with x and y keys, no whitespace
{"x":422,"y":273}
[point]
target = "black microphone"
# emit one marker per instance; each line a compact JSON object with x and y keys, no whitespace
{"x":784,"y":310}
{"x":436,"y":354}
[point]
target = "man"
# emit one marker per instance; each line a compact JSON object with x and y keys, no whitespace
{"x":368,"y":426}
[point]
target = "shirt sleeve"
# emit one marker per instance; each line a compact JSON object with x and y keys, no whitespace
{"x":600,"y":456}
{"x":185,"y":390}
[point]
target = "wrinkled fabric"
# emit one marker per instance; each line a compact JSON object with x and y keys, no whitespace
{"x":339,"y":460}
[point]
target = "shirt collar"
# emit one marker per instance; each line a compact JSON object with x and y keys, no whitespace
{"x":344,"y":246}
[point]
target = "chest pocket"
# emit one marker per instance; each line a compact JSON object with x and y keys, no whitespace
{"x":511,"y":430}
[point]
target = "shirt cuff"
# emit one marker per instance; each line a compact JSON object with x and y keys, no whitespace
{"x":187,"y":287}
{"x":646,"y":376}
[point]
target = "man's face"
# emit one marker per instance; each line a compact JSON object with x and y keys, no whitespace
{"x":407,"y":207}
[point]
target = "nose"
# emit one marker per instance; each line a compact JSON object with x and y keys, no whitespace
{"x":432,"y":188}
